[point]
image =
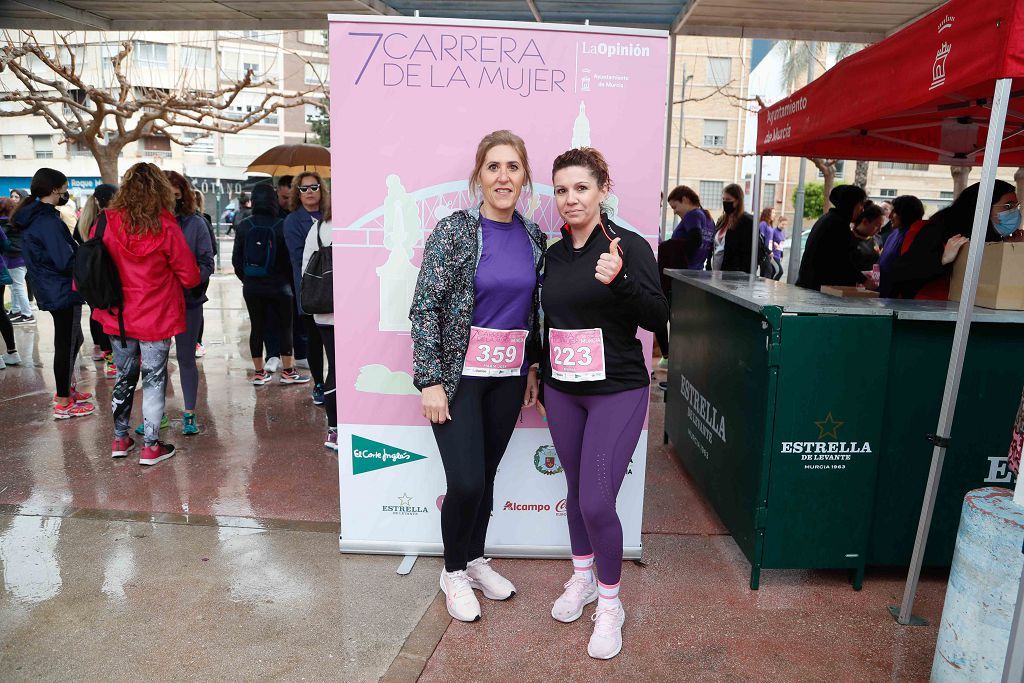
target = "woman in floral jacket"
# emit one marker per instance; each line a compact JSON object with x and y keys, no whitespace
{"x":476,"y":348}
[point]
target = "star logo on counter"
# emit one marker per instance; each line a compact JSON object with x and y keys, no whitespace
{"x":404,"y":500}
{"x":829,"y":427}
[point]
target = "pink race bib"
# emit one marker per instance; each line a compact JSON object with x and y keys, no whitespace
{"x":576,"y":355}
{"x":495,"y":353}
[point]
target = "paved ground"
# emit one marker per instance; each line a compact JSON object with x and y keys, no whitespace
{"x":222,"y":563}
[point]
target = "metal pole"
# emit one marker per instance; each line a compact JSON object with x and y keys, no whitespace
{"x":796,"y":233}
{"x":755,"y":209}
{"x":682,"y":127}
{"x":1013,"y":667}
{"x":993,"y":145}
{"x":668,"y":134}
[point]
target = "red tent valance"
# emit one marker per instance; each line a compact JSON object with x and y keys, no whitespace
{"x":922,"y":95}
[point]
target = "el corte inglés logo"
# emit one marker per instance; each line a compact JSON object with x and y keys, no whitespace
{"x":828,"y":452}
{"x":369,"y":455}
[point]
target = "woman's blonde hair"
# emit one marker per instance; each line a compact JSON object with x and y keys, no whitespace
{"x":144,"y":194}
{"x":490,"y":141}
{"x":325,"y":194}
{"x":90,"y":211}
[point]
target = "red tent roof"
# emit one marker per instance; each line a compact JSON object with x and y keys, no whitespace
{"x":921,"y":95}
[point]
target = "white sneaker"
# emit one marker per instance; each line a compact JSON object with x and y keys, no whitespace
{"x":459,"y":597}
{"x":13,"y":358}
{"x":302,"y":363}
{"x":482,"y":577}
{"x":578,"y":594}
{"x":273,"y":364}
{"x":606,"y":641}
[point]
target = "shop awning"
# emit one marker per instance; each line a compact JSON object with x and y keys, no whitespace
{"x":922,"y":95}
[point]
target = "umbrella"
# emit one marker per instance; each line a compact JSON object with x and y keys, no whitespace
{"x":293,"y":159}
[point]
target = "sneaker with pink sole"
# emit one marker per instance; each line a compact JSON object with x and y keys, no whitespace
{"x":482,"y":577}
{"x":578,"y":594}
{"x":606,"y":640}
{"x":122,"y":446}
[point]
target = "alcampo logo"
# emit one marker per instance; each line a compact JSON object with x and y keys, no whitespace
{"x":546,"y":461}
{"x":369,"y":455}
{"x":512,"y":506}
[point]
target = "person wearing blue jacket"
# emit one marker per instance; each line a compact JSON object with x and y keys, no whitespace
{"x":310,"y":202}
{"x":49,"y":252}
{"x":197,"y":235}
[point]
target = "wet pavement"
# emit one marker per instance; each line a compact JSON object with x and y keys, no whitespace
{"x":222,"y":563}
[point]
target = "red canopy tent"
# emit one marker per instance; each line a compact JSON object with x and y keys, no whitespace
{"x":922,"y":95}
{"x":947,"y":89}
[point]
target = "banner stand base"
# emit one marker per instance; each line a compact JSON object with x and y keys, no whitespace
{"x":407,"y":564}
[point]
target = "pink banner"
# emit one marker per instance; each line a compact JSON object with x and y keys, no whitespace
{"x":410,"y":101}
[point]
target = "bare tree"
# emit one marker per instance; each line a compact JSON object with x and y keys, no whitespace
{"x":828,"y":169}
{"x":104,"y":119}
{"x":960,"y":174}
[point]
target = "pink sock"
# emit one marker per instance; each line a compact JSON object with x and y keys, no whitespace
{"x":583,"y":565}
{"x":608,"y":596}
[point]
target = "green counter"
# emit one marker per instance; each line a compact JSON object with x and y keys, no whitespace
{"x":803,"y":417}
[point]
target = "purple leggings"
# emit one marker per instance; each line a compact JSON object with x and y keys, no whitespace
{"x":595,"y":437}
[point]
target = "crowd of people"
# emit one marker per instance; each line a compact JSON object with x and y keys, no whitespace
{"x":149,"y":242}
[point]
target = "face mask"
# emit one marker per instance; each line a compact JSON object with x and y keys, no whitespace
{"x":728,"y":207}
{"x":63,"y":199}
{"x":179,"y":204}
{"x":1007,"y":222}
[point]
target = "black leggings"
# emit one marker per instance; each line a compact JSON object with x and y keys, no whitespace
{"x":99,"y":337}
{"x":484,"y":413}
{"x":326,"y":334}
{"x":67,"y":340}
{"x":281,"y":317}
{"x":6,"y":328}
{"x":314,"y":349}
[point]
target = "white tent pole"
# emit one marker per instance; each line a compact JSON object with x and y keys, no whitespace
{"x":755,"y":209}
{"x":996,"y":123}
{"x":668,"y":133}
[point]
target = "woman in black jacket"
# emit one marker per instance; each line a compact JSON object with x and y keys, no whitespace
{"x":260,"y":260}
{"x":733,"y":236}
{"x":830,"y":255}
{"x":925,"y":264}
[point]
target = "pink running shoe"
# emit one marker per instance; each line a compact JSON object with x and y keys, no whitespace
{"x":66,"y":412}
{"x":122,"y":447}
{"x":158,"y":452}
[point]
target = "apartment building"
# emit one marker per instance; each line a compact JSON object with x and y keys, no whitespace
{"x":200,"y":60}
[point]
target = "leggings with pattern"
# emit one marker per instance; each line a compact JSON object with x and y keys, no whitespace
{"x":595,"y":437}
{"x":151,"y":358}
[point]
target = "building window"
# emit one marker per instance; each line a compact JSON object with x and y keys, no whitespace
{"x":316,"y":74}
{"x":313,"y":112}
{"x":154,"y":54}
{"x":43,"y":146}
{"x":840,"y":170}
{"x":202,"y":143}
{"x":887,"y":192}
{"x":719,"y":71}
{"x":946,"y":196}
{"x":262,"y":36}
{"x":711,"y":192}
{"x":715,"y":132}
{"x":900,"y":166}
{"x":156,"y":146}
{"x":314,"y":37}
{"x":768,"y":202}
{"x":196,"y":57}
{"x":7,"y":147}
{"x":255,"y":67}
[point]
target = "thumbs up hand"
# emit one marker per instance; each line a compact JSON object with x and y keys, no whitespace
{"x":609,"y":265}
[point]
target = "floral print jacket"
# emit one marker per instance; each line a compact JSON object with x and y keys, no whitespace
{"x":442,"y":306}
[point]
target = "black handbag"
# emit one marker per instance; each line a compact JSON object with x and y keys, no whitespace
{"x":317,"y":293}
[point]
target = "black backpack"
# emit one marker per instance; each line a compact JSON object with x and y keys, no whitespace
{"x":317,"y":290}
{"x":260,"y":252}
{"x":95,"y":274}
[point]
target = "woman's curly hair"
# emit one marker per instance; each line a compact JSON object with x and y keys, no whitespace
{"x":144,"y":194}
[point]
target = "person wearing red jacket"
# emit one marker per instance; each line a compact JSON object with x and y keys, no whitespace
{"x":155,"y":265}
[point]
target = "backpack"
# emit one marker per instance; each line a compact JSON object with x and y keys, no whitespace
{"x":317,"y":290}
{"x":95,"y":274}
{"x":260,"y":252}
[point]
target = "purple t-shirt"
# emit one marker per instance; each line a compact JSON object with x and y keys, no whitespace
{"x":780,"y":238}
{"x":505,"y":277}
{"x":696,"y":219}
